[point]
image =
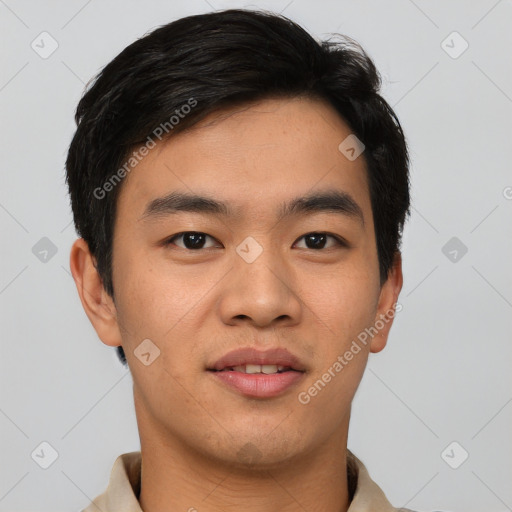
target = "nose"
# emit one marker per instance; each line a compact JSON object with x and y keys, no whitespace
{"x":262,"y":293}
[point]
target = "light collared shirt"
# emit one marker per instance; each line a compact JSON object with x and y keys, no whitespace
{"x":124,"y":488}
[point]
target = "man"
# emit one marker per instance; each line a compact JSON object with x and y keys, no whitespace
{"x":240,"y":191}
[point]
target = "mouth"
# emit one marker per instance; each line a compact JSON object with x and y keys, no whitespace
{"x":252,"y":369}
{"x":257,"y":374}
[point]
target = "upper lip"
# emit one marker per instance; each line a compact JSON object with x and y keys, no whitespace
{"x":248,"y":355}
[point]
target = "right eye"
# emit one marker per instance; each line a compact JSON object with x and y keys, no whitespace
{"x":192,"y":240}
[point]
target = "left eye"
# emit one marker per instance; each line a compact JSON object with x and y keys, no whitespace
{"x":318,"y":240}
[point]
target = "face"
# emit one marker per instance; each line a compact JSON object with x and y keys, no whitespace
{"x":261,"y":284}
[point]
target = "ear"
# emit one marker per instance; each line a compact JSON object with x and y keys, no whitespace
{"x":387,"y":306}
{"x":97,"y":303}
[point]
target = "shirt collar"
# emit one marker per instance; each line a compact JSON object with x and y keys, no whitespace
{"x":123,"y":489}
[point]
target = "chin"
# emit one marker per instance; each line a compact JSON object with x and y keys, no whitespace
{"x":261,"y":452}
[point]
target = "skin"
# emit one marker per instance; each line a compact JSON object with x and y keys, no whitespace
{"x":198,"y":305}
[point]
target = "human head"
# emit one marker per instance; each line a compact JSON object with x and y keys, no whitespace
{"x":183,"y":71}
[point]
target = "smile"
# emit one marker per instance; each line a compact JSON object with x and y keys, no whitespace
{"x":258,"y":374}
{"x":267,"y":369}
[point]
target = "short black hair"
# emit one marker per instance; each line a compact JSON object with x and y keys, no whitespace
{"x":176,"y":75}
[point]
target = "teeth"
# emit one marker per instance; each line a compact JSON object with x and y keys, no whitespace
{"x":252,"y":368}
{"x":267,"y":369}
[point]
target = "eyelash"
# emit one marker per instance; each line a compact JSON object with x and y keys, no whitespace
{"x":339,"y":240}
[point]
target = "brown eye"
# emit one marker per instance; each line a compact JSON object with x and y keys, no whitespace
{"x":317,"y":241}
{"x":192,"y":240}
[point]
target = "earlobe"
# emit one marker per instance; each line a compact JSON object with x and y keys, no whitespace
{"x":387,"y":306}
{"x":98,"y":305}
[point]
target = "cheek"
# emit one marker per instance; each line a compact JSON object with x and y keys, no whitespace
{"x":161,"y":302}
{"x":346,"y":302}
{"x":142,"y":289}
{"x":348,"y":307}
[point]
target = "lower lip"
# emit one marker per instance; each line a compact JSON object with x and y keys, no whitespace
{"x":259,"y":385}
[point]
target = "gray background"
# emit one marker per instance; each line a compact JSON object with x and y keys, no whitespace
{"x":445,"y":375}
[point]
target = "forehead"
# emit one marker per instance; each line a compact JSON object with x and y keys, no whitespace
{"x":251,"y":157}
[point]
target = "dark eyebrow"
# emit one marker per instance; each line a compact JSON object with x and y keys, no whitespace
{"x":184,"y":202}
{"x":328,"y":201}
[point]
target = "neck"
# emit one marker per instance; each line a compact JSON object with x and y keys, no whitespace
{"x":175,"y":477}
